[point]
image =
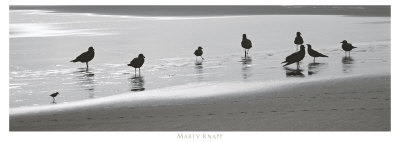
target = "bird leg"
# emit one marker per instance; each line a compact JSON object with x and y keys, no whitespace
{"x":202,"y":57}
{"x":314,"y":59}
{"x":87,"y":65}
{"x":245,"y":53}
{"x":139,"y":71}
{"x":135,"y":71}
{"x":248,"y":51}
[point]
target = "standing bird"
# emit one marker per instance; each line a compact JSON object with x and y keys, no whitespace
{"x":85,"y":57}
{"x":246,"y":44}
{"x":54,"y":95}
{"x":314,"y":53}
{"x":295,"y":57}
{"x":347,"y":47}
{"x":199,"y":52}
{"x":137,"y":62}
{"x":298,"y":40}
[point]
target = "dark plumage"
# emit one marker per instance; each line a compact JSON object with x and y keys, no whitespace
{"x":137,"y":62}
{"x":85,"y":57}
{"x":298,"y":40}
{"x":199,"y":52}
{"x":295,"y":57}
{"x":246,"y":44}
{"x":314,"y":53}
{"x":347,"y":47}
{"x":54,"y":95}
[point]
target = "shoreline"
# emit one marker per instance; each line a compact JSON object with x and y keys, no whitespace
{"x":170,"y":64}
{"x":309,"y":105}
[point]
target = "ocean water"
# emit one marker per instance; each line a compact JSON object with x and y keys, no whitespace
{"x":43,"y":42}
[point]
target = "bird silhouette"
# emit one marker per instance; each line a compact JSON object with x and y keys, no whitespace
{"x":54,"y":95}
{"x":85,"y":57}
{"x":298,"y":40}
{"x":199,"y":52}
{"x":246,"y":44}
{"x":295,"y":57}
{"x":314,"y":53}
{"x":137,"y":62}
{"x":347,"y":46}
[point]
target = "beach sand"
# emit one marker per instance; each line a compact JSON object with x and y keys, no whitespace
{"x":351,"y":103}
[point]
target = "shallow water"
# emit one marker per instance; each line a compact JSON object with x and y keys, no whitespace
{"x":43,"y":43}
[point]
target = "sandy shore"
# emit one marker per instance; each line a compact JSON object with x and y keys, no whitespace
{"x":357,"y":103}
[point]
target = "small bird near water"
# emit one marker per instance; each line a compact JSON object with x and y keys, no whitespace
{"x":347,"y":46}
{"x":298,"y":40}
{"x":314,"y":53}
{"x":85,"y":57}
{"x":137,"y":62}
{"x":54,"y":95}
{"x":199,"y":52}
{"x":246,"y":44}
{"x":295,"y":57}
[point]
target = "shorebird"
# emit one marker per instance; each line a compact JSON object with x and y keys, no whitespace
{"x":295,"y":57}
{"x":199,"y":52}
{"x":85,"y":57}
{"x":314,"y":53}
{"x":137,"y":62}
{"x":298,"y":40}
{"x":347,"y":47}
{"x":246,"y":44}
{"x":54,"y":95}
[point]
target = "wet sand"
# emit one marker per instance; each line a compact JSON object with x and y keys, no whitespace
{"x":352,"y":103}
{"x":168,"y":44}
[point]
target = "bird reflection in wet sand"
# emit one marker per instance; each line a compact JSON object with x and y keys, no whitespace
{"x":137,"y":83}
{"x":347,"y":60}
{"x":314,"y":68}
{"x":246,"y":67}
{"x":347,"y":64}
{"x":199,"y":70}
{"x":294,"y":72}
{"x":86,"y":80}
